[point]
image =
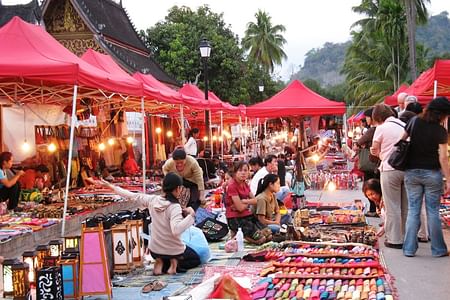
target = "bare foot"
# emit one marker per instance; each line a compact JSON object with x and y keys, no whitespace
{"x":157,"y":267}
{"x":173,"y":266}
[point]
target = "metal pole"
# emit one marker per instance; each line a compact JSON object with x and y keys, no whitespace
{"x":221,"y":134}
{"x":69,"y":160}
{"x":183,"y":133}
{"x":210,"y":134}
{"x":435,"y":89}
{"x":144,"y":159}
{"x":207,"y":111}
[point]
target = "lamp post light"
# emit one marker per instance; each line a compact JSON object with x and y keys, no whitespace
{"x":205,"y":52}
{"x":261,"y":87}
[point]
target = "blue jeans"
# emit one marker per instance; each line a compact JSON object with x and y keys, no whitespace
{"x":285,"y":219}
{"x":420,"y":183}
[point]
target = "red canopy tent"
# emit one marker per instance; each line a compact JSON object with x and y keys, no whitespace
{"x":295,"y":100}
{"x":35,"y":68}
{"x":391,"y":100}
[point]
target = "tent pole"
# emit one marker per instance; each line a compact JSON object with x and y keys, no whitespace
{"x":210,"y":134}
{"x":143,"y":145}
{"x":257,"y":135}
{"x":69,"y":160}
{"x":221,"y":135}
{"x":183,"y":137}
{"x":435,"y":89}
{"x":344,"y":125}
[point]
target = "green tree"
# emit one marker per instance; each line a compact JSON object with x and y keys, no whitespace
{"x":175,"y":41}
{"x":264,"y":41}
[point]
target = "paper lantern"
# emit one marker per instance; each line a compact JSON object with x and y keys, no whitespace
{"x":42,"y":252}
{"x":8,"y":287}
{"x":136,"y":247}
{"x":122,"y":247}
{"x":30,"y":258}
{"x":21,"y":285}
{"x":72,"y":244}
{"x":49,"y":284}
{"x":69,"y":268}
{"x":55,"y":248}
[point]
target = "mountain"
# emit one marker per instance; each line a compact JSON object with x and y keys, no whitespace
{"x":435,"y":35}
{"x":324,"y":64}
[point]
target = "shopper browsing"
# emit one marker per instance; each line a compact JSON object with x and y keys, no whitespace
{"x":9,"y":188}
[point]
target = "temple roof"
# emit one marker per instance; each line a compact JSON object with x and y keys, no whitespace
{"x":29,"y":12}
{"x":115,"y":31}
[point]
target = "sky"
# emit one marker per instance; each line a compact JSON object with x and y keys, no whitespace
{"x":309,"y":23}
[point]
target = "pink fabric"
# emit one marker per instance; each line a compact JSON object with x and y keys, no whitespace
{"x":92,"y":279}
{"x":295,"y":100}
{"x":91,"y":247}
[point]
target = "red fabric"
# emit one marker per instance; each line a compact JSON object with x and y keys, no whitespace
{"x":228,"y":288}
{"x":391,"y":100}
{"x":28,"y":179}
{"x":30,"y":54}
{"x":130,"y":167}
{"x":235,"y":189}
{"x":295,"y":100}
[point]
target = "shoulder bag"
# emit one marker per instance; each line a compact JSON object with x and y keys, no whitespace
{"x":399,"y":158}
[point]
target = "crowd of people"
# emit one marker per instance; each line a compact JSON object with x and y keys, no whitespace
{"x":408,"y":199}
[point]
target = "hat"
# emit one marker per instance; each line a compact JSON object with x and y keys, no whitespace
{"x":368,"y":112}
{"x":171,"y":181}
{"x":410,"y":99}
{"x":440,"y":104}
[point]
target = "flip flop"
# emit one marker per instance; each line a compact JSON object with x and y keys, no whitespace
{"x":154,"y":285}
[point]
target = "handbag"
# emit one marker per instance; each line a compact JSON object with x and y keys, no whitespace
{"x":213,"y":229}
{"x":365,"y":163}
{"x":298,"y":188}
{"x":399,"y":157}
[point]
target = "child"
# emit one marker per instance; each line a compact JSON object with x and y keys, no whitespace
{"x":167,"y":224}
{"x":372,"y":190}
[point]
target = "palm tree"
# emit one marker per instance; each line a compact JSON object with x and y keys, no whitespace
{"x":416,"y":12}
{"x":264,"y":41}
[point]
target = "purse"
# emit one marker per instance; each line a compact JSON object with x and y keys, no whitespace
{"x":213,"y":229}
{"x":399,"y":158}
{"x":298,"y":188}
{"x":364,"y":161}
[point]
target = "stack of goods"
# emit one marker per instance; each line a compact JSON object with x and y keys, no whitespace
{"x":341,"y":180}
{"x":299,"y":270}
{"x":445,"y":212}
{"x":306,"y":217}
{"x":134,"y":184}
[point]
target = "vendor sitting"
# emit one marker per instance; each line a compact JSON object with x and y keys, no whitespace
{"x":129,"y":165}
{"x":9,"y":188}
{"x":37,"y":177}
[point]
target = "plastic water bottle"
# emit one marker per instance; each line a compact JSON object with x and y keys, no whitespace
{"x":240,"y":240}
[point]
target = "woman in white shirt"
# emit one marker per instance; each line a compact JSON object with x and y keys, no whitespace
{"x":191,"y":145}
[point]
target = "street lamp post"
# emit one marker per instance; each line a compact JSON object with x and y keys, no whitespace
{"x":261,"y":87}
{"x":205,"y":52}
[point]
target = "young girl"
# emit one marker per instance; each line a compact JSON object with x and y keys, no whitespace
{"x":167,"y":224}
{"x":238,"y":202}
{"x":267,"y":210}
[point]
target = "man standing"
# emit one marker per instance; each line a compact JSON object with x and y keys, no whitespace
{"x":191,"y":145}
{"x":401,"y":98}
{"x":271,"y":162}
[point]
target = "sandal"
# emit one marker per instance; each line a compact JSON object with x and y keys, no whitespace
{"x":155,"y":285}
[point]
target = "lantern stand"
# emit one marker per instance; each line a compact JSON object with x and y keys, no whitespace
{"x":70,"y":270}
{"x":30,"y":258}
{"x":72,"y":244}
{"x":56,"y":248}
{"x":42,"y":252}
{"x":8,"y":287}
{"x":21,"y":284}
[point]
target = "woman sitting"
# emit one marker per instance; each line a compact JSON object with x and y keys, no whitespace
{"x":238,"y":202}
{"x":9,"y":188}
{"x":168,"y":223}
{"x":267,"y":210}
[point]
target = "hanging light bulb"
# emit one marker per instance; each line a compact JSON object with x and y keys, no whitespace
{"x":26,"y":147}
{"x":315,"y":158}
{"x":220,"y":138}
{"x":205,"y":138}
{"x":130,"y":139}
{"x":169,"y":134}
{"x":158,"y":130}
{"x":214,"y":138}
{"x":51,"y":147}
{"x":331,"y":186}
{"x":111,"y":141}
{"x":101,"y":146}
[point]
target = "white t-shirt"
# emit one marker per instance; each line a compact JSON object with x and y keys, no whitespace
{"x":254,"y":183}
{"x":388,"y":134}
{"x":191,"y":146}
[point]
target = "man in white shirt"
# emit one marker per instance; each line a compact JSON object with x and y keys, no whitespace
{"x":271,"y":162}
{"x":191,"y":145}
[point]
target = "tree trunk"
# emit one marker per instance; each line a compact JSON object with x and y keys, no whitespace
{"x":410,"y":8}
